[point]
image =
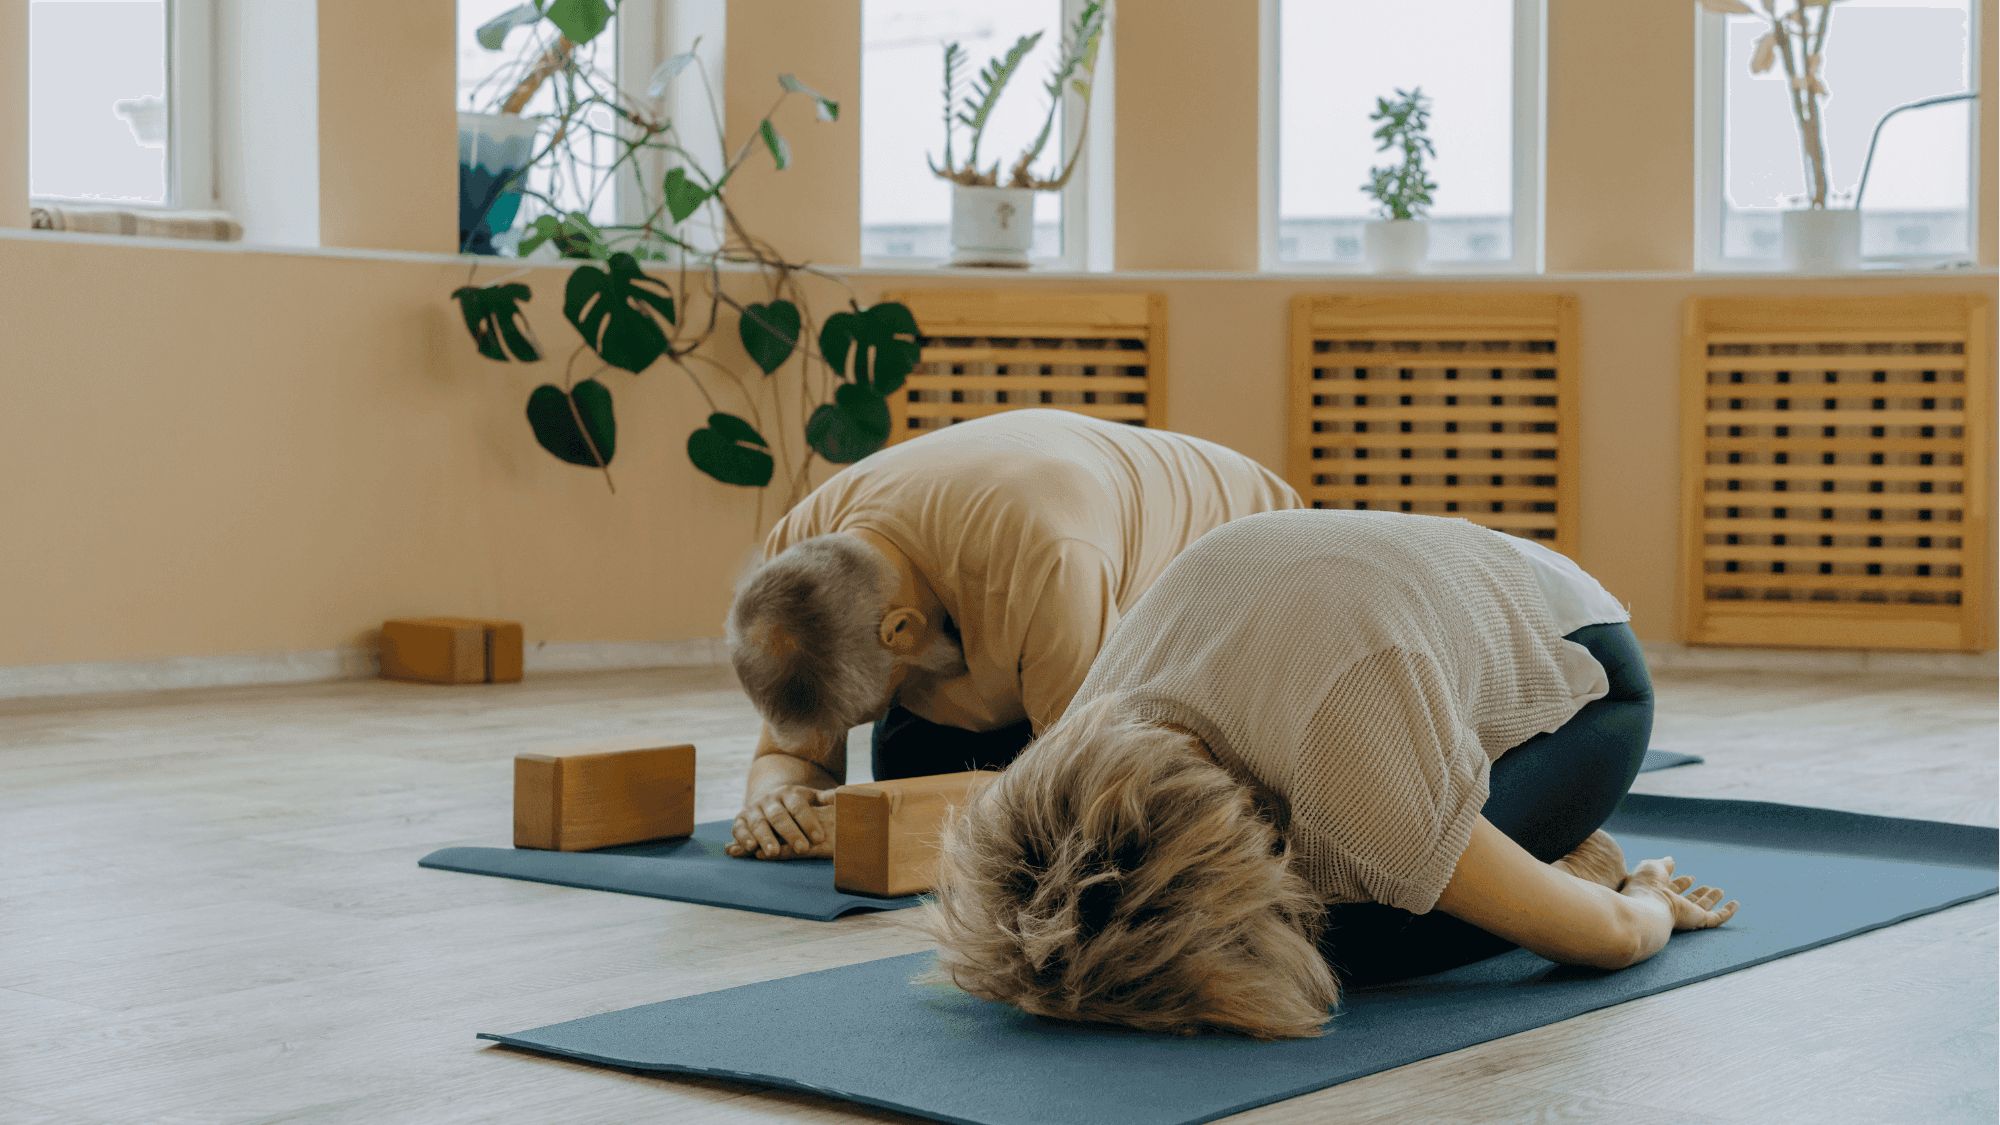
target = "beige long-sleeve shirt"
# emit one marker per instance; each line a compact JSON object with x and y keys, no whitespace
{"x":1038,"y":529}
{"x":1367,"y":668}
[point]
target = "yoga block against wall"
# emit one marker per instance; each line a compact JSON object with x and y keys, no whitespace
{"x":451,"y":650}
{"x":885,"y":834}
{"x":577,"y":800}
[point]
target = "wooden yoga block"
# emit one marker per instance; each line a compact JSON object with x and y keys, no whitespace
{"x":885,"y":834}
{"x":451,"y":650}
{"x":576,"y":800}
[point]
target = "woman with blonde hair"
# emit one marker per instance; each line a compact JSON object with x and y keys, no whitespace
{"x":1324,"y":742}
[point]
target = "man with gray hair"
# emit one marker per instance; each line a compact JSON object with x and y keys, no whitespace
{"x":953,"y":590}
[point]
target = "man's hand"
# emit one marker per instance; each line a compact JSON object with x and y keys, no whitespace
{"x":784,"y":822}
{"x":1693,"y":909}
{"x":1597,"y":860}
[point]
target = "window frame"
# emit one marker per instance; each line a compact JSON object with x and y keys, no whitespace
{"x":1086,"y":237}
{"x":1711,"y":127}
{"x":1530,"y":93}
{"x":190,"y":149}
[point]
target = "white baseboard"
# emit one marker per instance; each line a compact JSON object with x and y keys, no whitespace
{"x":1673,"y":655}
{"x":35,"y":680}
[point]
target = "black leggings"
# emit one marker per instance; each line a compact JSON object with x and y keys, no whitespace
{"x":905,"y":745}
{"x":1547,"y":794}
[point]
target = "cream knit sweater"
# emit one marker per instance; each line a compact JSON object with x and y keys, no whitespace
{"x":1367,"y":668}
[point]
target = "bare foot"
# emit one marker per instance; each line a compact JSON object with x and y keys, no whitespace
{"x":1597,"y":860}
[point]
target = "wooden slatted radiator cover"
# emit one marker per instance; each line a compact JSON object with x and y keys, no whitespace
{"x":991,"y":351}
{"x":1441,"y":404}
{"x":1836,"y":456}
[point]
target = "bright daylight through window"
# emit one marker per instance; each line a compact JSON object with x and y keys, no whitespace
{"x":1336,"y":58}
{"x":97,"y":101}
{"x":905,"y":208}
{"x":1879,"y":54}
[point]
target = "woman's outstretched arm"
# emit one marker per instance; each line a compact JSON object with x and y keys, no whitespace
{"x":1500,"y":888}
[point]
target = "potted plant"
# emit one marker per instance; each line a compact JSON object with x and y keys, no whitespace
{"x":1400,"y":239}
{"x":992,"y":224}
{"x":1817,"y":236}
{"x":496,"y":145}
{"x":828,"y":401}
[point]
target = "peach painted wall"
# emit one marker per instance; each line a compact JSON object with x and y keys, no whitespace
{"x":388,"y":133}
{"x":1620,"y":136}
{"x":13,"y":113}
{"x":1187,"y":135}
{"x":813,"y":209}
{"x":269,"y":452}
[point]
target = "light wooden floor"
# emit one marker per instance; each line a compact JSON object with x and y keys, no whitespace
{"x":210,"y":911}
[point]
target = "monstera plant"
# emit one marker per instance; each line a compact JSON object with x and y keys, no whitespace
{"x":835,"y":393}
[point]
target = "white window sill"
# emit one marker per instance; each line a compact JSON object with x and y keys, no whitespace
{"x":506,"y":265}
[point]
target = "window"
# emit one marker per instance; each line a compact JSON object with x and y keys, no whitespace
{"x":905,"y":210}
{"x":117,"y":102}
{"x":1880,"y":54}
{"x":1325,"y":64}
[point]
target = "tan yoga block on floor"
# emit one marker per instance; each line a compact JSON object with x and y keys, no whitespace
{"x":885,"y":834}
{"x":576,"y":800}
{"x":452,"y":650}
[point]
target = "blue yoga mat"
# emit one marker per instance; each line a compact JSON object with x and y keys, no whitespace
{"x":1666,"y":760}
{"x":688,"y":870}
{"x":1807,"y":877}
{"x":696,"y":870}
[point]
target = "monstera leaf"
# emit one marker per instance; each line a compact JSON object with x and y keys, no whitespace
{"x":614,"y":309}
{"x":852,"y":426}
{"x":550,"y":413}
{"x":579,"y":20}
{"x":882,"y":341}
{"x":684,"y":196}
{"x":493,"y":316}
{"x":769,"y":332}
{"x":731,"y":451}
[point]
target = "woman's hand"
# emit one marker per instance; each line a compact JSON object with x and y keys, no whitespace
{"x":1597,"y":860}
{"x":1695,"y":909}
{"x":784,"y":822}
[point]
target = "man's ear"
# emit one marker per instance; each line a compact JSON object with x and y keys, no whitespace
{"x":901,"y":627}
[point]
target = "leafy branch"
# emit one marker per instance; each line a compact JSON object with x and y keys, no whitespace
{"x":1402,"y":190}
{"x":1074,"y":69}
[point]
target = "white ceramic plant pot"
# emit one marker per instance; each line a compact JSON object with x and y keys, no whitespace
{"x":1818,"y":241}
{"x":991,"y":226}
{"x":1395,"y":245}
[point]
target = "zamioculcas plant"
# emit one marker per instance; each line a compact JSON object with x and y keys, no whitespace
{"x":1073,"y":70}
{"x":1403,"y":190}
{"x":833,"y":396}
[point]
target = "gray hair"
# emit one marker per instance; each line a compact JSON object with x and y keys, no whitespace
{"x":803,"y":636}
{"x":1112,"y":874}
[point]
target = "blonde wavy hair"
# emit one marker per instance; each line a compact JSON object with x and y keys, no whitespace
{"x":1114,"y":874}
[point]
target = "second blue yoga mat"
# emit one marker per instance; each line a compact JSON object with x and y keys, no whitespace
{"x":1807,"y":877}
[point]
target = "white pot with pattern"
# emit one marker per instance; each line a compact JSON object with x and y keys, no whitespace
{"x":991,"y":226}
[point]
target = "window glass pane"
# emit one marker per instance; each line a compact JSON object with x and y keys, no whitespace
{"x":577,"y":177}
{"x":1335,"y":57}
{"x":905,"y":210}
{"x":97,"y":100}
{"x":1879,"y":54}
